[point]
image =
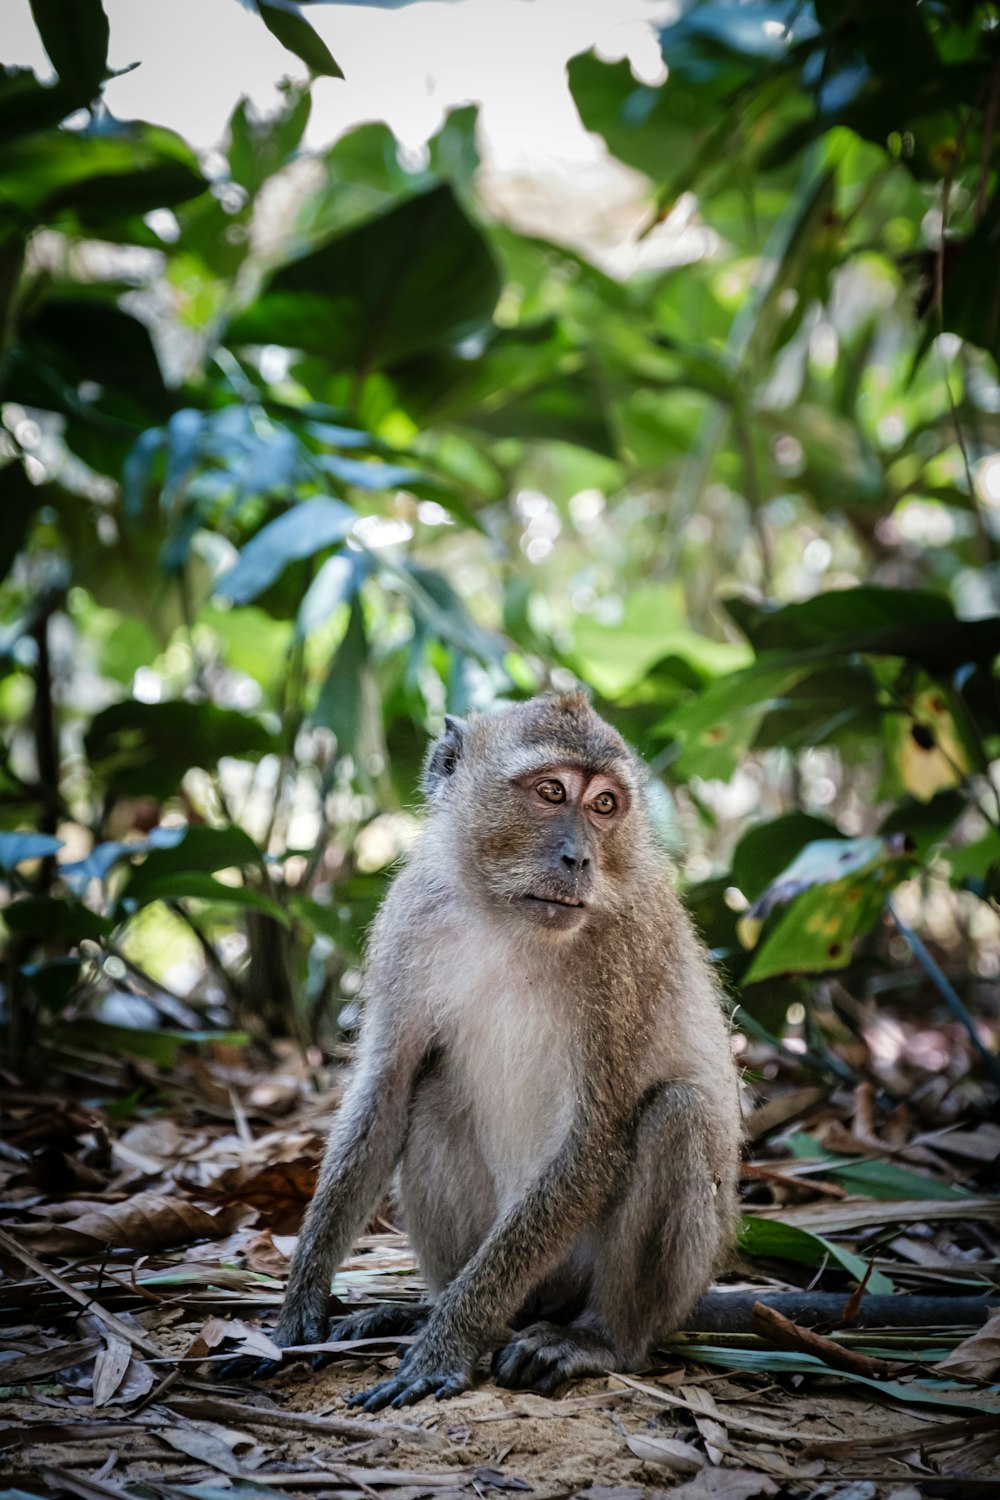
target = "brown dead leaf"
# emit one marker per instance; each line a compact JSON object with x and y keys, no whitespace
{"x":977,"y":1357}
{"x":725,"y":1484}
{"x":280,"y":1192}
{"x":672,"y":1453}
{"x":146,"y":1221}
{"x":218,"y":1331}
{"x":263,"y":1255}
{"x":209,"y":1337}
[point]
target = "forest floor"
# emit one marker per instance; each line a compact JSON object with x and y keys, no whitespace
{"x":145,"y":1241}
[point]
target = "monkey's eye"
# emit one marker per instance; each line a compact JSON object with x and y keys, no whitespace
{"x":552,"y":791}
{"x":604,"y":803}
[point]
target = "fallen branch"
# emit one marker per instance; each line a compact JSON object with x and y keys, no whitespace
{"x":781,"y":1331}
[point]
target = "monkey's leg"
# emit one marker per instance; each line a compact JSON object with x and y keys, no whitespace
{"x":655,"y":1249}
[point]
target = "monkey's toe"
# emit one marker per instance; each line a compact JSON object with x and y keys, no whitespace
{"x":405,"y":1390}
{"x":542,"y":1356}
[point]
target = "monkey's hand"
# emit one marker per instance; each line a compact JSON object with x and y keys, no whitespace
{"x":432,"y":1367}
{"x":301,"y":1322}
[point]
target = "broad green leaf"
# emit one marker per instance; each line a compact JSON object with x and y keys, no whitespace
{"x":75,"y":35}
{"x":837,"y":889}
{"x":925,"y":1391}
{"x":285,"y":20}
{"x":418,"y":277}
{"x":304,"y":529}
{"x":27,"y":106}
{"x":653,"y":625}
{"x":55,"y":921}
{"x":200,"y":886}
{"x":916,"y":624}
{"x":715,"y":729}
{"x":16,"y":848}
{"x":769,"y":1237}
{"x":144,"y":749}
{"x":768,"y":848}
{"x":201,"y":850}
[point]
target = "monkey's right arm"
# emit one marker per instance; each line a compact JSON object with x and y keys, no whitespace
{"x":364,"y":1147}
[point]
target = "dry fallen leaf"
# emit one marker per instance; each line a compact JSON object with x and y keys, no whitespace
{"x":977,"y":1357}
{"x":146,"y":1221}
{"x":679,"y":1457}
{"x":724,"y":1484}
{"x":281,"y":1191}
{"x":204,"y":1446}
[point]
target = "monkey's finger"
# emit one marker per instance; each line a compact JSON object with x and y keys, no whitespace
{"x":546,"y":1381}
{"x":453,"y":1386}
{"x":508,"y":1362}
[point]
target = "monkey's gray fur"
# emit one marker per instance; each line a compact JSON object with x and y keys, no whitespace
{"x":544,"y":1057}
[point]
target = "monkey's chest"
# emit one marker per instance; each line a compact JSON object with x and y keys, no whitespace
{"x":510,"y":1065}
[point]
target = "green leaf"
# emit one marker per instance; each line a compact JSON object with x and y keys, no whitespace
{"x":337,"y":581}
{"x":717,"y":727}
{"x":838,"y":889}
{"x":285,"y":20}
{"x":16,"y":848}
{"x":159,"y":1047}
{"x":768,"y":848}
{"x":875,"y":1179}
{"x":916,"y":624}
{"x":200,"y":886}
{"x":200,"y":849}
{"x":75,"y":35}
{"x":302,"y":530}
{"x":341,"y":703}
{"x":144,"y":749}
{"x":770,"y":1362}
{"x":770,"y":1237}
{"x":55,"y":921}
{"x":21,"y":499}
{"x":418,"y":277}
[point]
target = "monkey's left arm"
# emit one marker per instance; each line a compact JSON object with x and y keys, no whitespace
{"x":513,"y":1258}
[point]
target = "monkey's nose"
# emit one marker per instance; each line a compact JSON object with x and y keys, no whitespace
{"x":576,"y":862}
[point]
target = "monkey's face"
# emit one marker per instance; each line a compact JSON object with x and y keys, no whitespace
{"x":546,"y":843}
{"x":539,"y":800}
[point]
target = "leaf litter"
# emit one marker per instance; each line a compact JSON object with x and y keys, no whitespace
{"x":156,"y":1248}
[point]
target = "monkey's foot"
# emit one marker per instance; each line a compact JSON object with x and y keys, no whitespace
{"x":543,"y":1355}
{"x":419,"y":1375}
{"x":388,"y":1318}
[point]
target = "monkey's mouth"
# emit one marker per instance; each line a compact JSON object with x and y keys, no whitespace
{"x":556,"y":900}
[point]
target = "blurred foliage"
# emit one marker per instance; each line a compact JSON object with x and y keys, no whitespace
{"x":288,"y":472}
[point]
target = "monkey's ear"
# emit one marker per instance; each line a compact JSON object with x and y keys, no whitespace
{"x":444,"y":756}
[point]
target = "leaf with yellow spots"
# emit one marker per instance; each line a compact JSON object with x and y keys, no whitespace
{"x":837,"y":889}
{"x":928,"y":747}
